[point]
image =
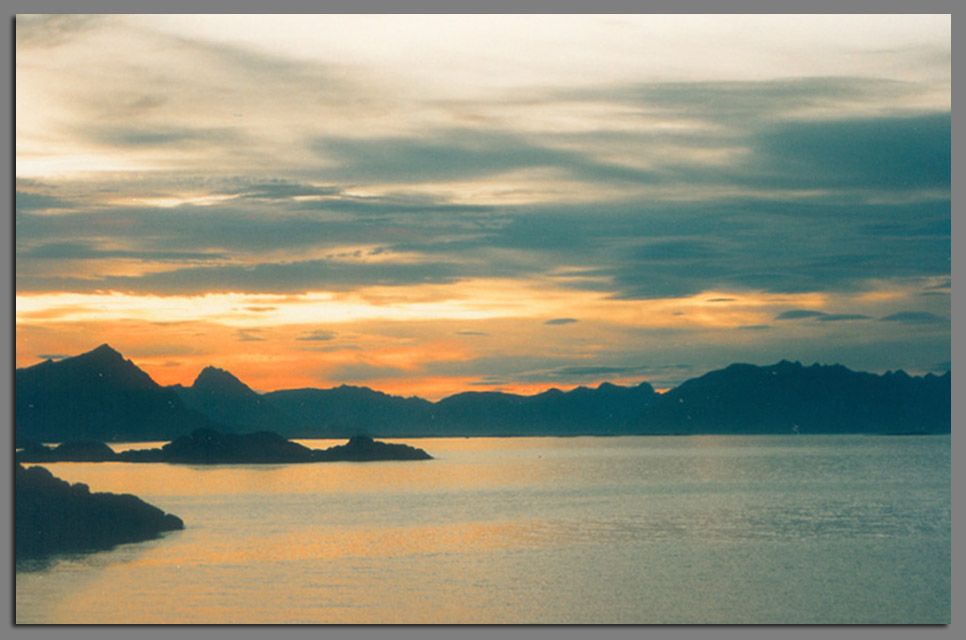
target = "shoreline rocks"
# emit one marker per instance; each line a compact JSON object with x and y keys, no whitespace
{"x":54,"y":516}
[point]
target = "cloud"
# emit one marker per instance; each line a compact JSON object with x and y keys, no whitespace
{"x":884,"y":153}
{"x":53,"y":356}
{"x":34,"y":201}
{"x":559,"y":321}
{"x":144,"y":137}
{"x":248,"y":335}
{"x":319,"y":335}
{"x":915,"y":317}
{"x":796,"y":314}
{"x":53,"y":30}
{"x":842,"y":317}
{"x":472,"y":333}
{"x":821,"y":316}
{"x":214,"y":162}
{"x":284,"y":190}
{"x":86,"y":251}
{"x":744,"y":103}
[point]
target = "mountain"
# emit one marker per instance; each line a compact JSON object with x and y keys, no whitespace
{"x":790,"y":398}
{"x":608,"y":409}
{"x":98,"y":396}
{"x":345,"y":411}
{"x":224,"y":398}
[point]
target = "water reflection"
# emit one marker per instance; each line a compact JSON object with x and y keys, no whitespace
{"x":524,"y":530}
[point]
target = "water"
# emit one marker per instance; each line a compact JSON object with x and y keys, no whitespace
{"x":748,"y":529}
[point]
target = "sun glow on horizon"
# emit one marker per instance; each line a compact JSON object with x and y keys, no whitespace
{"x":430,"y":203}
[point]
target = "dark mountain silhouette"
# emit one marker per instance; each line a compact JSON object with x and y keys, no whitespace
{"x":608,"y":409}
{"x":206,"y":446}
{"x":787,"y":397}
{"x":227,"y":400}
{"x":98,"y":396}
{"x":345,"y":411}
{"x":53,"y":516}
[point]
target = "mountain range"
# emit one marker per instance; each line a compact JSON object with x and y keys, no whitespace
{"x":102,"y":396}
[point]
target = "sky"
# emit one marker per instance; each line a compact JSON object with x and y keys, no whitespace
{"x":432,"y":204}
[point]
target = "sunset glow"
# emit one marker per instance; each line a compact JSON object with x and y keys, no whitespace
{"x":433,"y":204}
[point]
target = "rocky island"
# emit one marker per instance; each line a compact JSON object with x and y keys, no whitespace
{"x":54,"y":516}
{"x":207,"y":446}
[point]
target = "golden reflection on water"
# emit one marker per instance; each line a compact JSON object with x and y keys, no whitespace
{"x":509,"y":530}
{"x":455,"y":466}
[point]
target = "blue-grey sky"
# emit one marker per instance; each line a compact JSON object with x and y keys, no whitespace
{"x":426,"y":204}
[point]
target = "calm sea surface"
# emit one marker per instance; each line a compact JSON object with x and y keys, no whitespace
{"x":747,"y":529}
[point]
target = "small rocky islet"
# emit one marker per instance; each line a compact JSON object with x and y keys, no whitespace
{"x":54,"y":516}
{"x":207,"y":446}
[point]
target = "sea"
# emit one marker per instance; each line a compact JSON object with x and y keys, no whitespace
{"x":794,"y":529}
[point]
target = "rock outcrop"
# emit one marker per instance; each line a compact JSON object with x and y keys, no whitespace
{"x":53,"y":516}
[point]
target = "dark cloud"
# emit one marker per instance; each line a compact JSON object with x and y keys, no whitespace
{"x":459,"y":154}
{"x":745,"y":103}
{"x":629,"y":250}
{"x":755,"y":327}
{"x":319,"y":335}
{"x":677,"y":250}
{"x":721,"y":300}
{"x":86,"y":251}
{"x":558,"y":321}
{"x":141,"y":137}
{"x":52,"y":356}
{"x":283,"y":190}
{"x":472,"y":333}
{"x":886,"y":153}
{"x":25,"y":201}
{"x":593,"y":371}
{"x":248,"y":335}
{"x":915,"y":317}
{"x":796,"y":314}
{"x":842,"y":317}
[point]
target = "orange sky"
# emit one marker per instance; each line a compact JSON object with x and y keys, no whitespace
{"x":400,"y":204}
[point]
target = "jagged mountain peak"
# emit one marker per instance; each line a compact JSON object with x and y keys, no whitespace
{"x":215,"y":379}
{"x":104,"y":355}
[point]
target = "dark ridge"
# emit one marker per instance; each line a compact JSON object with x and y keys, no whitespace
{"x":228,"y":401}
{"x":54,"y":516}
{"x":98,"y":396}
{"x":215,"y":380}
{"x":788,"y":397}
